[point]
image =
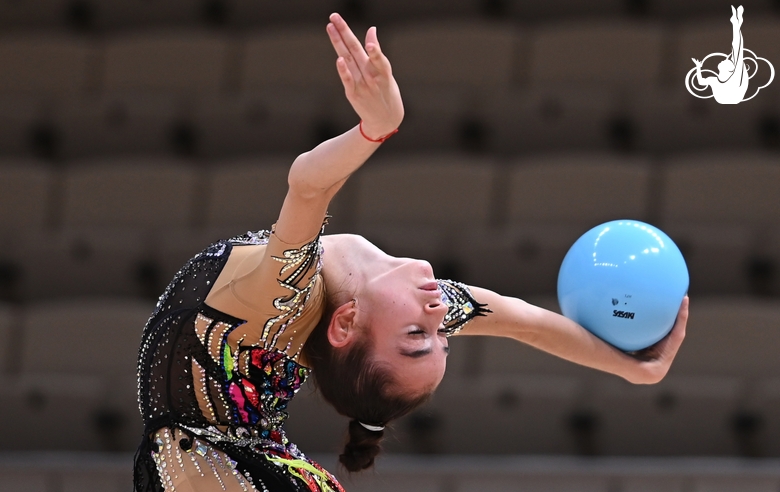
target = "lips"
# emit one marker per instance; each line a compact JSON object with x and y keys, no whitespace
{"x":431,"y":286}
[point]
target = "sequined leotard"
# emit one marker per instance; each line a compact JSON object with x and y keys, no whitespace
{"x":213,"y":384}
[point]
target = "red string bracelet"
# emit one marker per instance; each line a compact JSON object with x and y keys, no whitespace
{"x":378,"y":140}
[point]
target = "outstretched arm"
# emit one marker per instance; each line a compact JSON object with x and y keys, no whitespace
{"x":562,"y":337}
{"x":317,"y":175}
{"x":701,"y":80}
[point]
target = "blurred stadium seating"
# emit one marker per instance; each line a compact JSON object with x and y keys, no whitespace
{"x":133,"y":134}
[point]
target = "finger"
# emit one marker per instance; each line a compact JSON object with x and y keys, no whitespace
{"x":350,"y":40}
{"x":677,"y":335}
{"x":378,"y":59}
{"x":341,"y":50}
{"x":371,"y":37}
{"x":682,"y":316}
{"x":346,"y":76}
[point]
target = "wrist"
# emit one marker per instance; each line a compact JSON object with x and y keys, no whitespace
{"x":641,"y":372}
{"x":375,"y":133}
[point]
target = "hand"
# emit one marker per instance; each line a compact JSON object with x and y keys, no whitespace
{"x":697,"y":62}
{"x":367,"y":77}
{"x":653,"y":362}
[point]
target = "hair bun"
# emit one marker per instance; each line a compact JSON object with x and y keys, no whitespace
{"x":362,"y":448}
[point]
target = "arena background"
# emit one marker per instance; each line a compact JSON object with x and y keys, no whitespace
{"x":134,"y":132}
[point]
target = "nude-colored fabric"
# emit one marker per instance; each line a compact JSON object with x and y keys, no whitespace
{"x":249,"y":284}
{"x":246,"y":289}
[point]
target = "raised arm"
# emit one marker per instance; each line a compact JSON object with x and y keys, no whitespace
{"x":562,"y":337}
{"x":701,"y":80}
{"x":317,"y":175}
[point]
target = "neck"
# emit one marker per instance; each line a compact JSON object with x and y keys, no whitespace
{"x":349,"y":260}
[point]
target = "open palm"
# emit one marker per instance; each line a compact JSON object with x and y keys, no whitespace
{"x":367,"y":77}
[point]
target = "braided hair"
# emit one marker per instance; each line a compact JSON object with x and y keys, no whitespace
{"x":358,"y":388}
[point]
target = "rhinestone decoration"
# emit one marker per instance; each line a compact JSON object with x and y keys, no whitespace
{"x":229,"y":402}
{"x":462,"y":307}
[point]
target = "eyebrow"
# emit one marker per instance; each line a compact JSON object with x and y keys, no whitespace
{"x":422,"y":352}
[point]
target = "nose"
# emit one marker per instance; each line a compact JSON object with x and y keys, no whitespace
{"x":434,"y":306}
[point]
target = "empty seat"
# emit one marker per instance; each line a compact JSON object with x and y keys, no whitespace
{"x":765,"y":398}
{"x":246,"y":194}
{"x":21,"y":120}
{"x":83,"y":261}
{"x":517,"y":414}
{"x":291,"y":57}
{"x":409,"y":9}
{"x":269,"y":120}
{"x":435,"y":118}
{"x":672,"y":120}
{"x":769,"y":255}
{"x":247,"y":12}
{"x":102,"y":336}
{"x":454,"y":54}
{"x":437,"y":190}
{"x":708,"y":9}
{"x":615,"y":54}
{"x":32,"y":480}
{"x":264,"y":179}
{"x":722,"y":188}
{"x":89,"y":480}
{"x":25,"y":198}
{"x":44,"y":64}
{"x":580,"y":483}
{"x":185,"y":61}
{"x":33,"y":13}
{"x":515,"y":261}
{"x":649,"y":484}
{"x":173,"y":247}
{"x":120,"y":123}
{"x":143,"y":192}
{"x":730,"y":337}
{"x":552,"y":119}
{"x":718,"y":257}
{"x":53,"y":411}
{"x":678,"y":416}
{"x":565,"y":9}
{"x":126,"y":13}
{"x":748,"y":484}
{"x":390,"y":482}
{"x":6,"y":336}
{"x":579,"y":189}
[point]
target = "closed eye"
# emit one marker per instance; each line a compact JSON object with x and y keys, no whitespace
{"x":416,"y":354}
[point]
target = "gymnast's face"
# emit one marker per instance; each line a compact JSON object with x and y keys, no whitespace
{"x":403,"y":311}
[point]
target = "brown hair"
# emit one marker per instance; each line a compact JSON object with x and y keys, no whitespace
{"x":357,"y":388}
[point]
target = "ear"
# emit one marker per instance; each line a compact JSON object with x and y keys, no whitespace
{"x":342,"y":329}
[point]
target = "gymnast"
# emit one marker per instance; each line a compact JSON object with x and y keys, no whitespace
{"x":244,"y":322}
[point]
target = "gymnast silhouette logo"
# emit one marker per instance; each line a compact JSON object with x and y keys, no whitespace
{"x":730,"y":84}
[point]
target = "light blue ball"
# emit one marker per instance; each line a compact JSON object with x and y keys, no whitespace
{"x":624,"y":282}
